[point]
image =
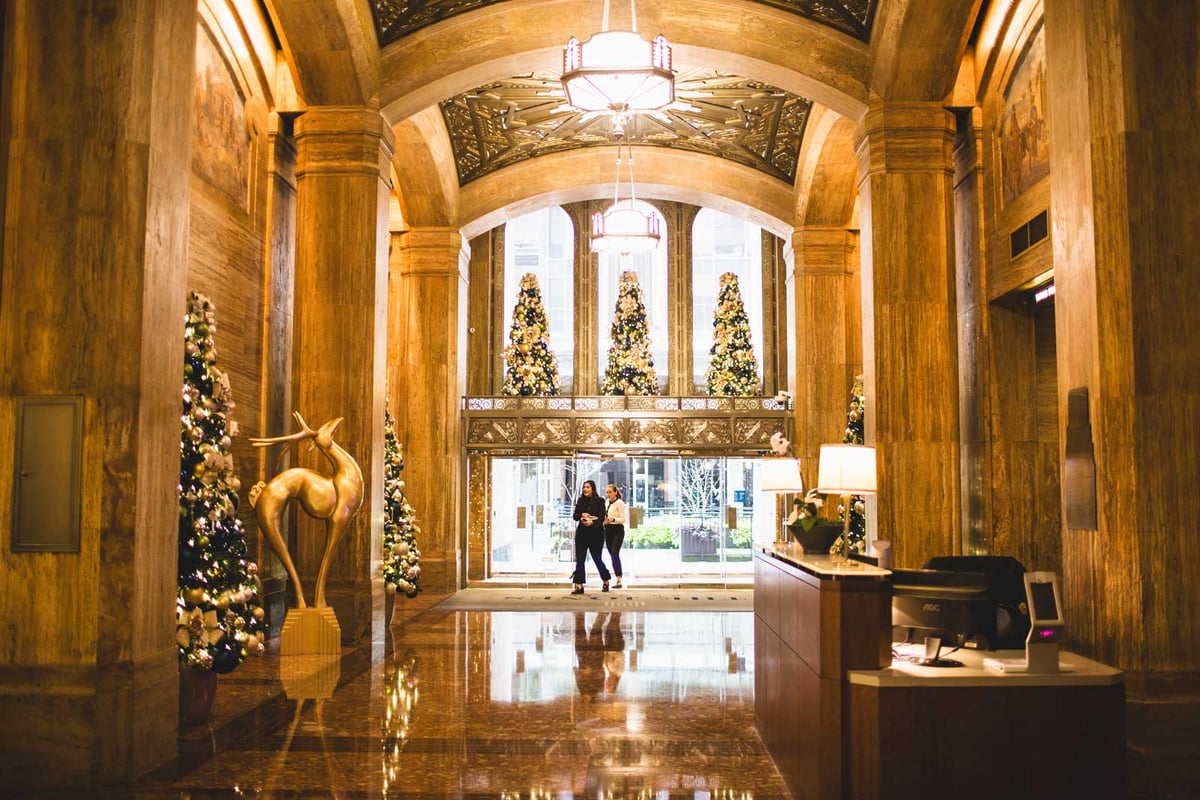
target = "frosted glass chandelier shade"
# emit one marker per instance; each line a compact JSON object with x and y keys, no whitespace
{"x":618,"y":71}
{"x":625,"y":229}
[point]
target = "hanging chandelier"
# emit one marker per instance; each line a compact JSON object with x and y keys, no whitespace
{"x":618,"y":71}
{"x":624,"y":228}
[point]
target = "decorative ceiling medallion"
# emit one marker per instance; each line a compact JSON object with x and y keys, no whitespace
{"x":741,"y":120}
{"x":395,"y":19}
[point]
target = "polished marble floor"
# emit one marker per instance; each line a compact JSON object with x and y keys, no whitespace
{"x":476,"y":704}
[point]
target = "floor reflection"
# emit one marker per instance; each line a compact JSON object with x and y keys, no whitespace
{"x":556,"y":705}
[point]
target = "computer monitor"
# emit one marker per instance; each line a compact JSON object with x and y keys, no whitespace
{"x":972,"y":601}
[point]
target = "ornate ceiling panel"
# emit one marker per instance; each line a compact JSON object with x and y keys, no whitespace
{"x":397,"y":18}
{"x":742,"y":120}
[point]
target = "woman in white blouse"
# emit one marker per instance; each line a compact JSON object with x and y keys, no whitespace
{"x":614,"y":529}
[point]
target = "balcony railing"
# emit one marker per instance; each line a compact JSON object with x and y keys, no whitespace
{"x":542,"y":425}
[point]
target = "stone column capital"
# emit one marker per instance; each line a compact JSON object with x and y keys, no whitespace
{"x":432,"y":251}
{"x":343,"y":140}
{"x":823,"y":250}
{"x":905,"y":137}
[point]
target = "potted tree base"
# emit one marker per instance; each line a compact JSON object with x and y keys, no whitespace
{"x":197,"y":691}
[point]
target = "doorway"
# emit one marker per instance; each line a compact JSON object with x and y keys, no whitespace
{"x":692,"y":518}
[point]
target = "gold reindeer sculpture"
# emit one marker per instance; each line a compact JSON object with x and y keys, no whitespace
{"x":334,"y":499}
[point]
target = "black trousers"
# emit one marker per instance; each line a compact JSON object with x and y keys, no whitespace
{"x":589,"y":539}
{"x":614,"y":537}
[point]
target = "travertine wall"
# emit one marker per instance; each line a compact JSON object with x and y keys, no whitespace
{"x":95,"y":252}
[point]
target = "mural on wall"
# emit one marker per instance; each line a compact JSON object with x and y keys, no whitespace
{"x":220,"y":138}
{"x":1024,"y":137}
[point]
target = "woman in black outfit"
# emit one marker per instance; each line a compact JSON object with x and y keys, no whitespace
{"x":589,"y":536}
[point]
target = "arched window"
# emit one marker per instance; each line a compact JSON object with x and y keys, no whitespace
{"x":543,"y":242}
{"x":651,"y":269}
{"x":722,"y":243}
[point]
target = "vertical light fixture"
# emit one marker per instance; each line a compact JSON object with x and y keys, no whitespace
{"x":624,"y":228}
{"x":846,"y":469}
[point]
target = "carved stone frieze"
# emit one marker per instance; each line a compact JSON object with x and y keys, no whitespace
{"x":546,"y":431}
{"x":652,"y":431}
{"x":599,"y":431}
{"x":492,"y":431}
{"x":755,"y":431}
{"x":706,"y":431}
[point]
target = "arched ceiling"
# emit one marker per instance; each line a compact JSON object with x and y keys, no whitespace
{"x":751,"y":123}
{"x":395,"y":19}
{"x":419,"y":60}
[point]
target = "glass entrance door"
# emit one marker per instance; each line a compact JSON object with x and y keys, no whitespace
{"x":693,"y":518}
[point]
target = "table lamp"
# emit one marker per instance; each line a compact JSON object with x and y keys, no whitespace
{"x":780,"y":476}
{"x":846,"y":469}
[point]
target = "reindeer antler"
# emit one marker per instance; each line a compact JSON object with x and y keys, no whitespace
{"x":305,"y":432}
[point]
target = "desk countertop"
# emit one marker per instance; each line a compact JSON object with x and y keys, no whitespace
{"x":822,"y":565}
{"x":973,"y":673}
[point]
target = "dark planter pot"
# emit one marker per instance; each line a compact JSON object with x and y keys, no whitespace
{"x":818,"y":539}
{"x":197,"y":691}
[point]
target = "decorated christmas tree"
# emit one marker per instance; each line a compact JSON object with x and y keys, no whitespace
{"x":401,"y":556}
{"x":219,"y":621}
{"x":630,"y":368}
{"x":854,"y":435}
{"x":733,"y":371}
{"x":531,"y":366}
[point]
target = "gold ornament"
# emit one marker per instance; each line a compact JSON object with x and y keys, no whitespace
{"x":194,"y":597}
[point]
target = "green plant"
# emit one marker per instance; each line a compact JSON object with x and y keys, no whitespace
{"x":741,"y":537}
{"x":653,"y":537}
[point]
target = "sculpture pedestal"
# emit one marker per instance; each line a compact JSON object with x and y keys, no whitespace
{"x":310,"y":631}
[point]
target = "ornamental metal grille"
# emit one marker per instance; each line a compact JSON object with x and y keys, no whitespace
{"x":395,"y":19}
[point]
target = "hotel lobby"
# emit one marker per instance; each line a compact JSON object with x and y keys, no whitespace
{"x":389,"y":245}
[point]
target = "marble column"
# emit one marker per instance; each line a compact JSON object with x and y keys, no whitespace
{"x":95,"y":207}
{"x":681,"y":304}
{"x":1124,"y":126}
{"x":427,"y":372}
{"x":339,"y":342}
{"x":910,"y":350}
{"x":828,"y":342}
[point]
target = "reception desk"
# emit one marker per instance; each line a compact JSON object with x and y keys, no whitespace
{"x":813,"y":622}
{"x":991,"y":734}
{"x":841,"y":719}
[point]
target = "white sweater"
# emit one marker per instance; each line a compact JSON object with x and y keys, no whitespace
{"x":616,"y":513}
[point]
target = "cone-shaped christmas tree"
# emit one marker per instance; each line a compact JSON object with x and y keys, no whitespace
{"x":532,"y":368}
{"x":630,"y":365}
{"x":733,"y":371}
{"x":401,"y":556}
{"x":219,"y":621}
{"x":854,"y":435}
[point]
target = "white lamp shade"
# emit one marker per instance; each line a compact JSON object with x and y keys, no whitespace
{"x":846,"y":469}
{"x":624,"y":228}
{"x":619,"y":71}
{"x":779,"y":475}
